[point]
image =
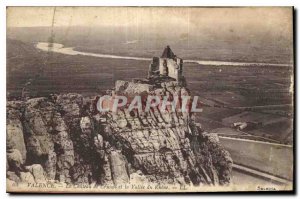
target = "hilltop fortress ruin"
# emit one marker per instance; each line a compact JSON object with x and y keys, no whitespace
{"x":167,"y":65}
{"x":63,"y":139}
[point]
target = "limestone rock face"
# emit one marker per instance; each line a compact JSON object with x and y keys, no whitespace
{"x":132,"y":87}
{"x":60,"y":138}
{"x":14,"y":128}
{"x":118,"y":168}
{"x":38,"y":114}
{"x":167,"y":145}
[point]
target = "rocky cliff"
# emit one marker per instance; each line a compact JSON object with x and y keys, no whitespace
{"x":63,"y":138}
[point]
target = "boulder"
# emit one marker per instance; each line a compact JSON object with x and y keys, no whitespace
{"x":13,"y":176}
{"x":27,"y":177}
{"x":14,"y":159}
{"x":38,"y":172}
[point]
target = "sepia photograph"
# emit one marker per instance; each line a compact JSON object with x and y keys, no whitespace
{"x":149,"y":99}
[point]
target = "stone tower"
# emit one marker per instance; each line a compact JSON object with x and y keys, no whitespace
{"x":167,"y":65}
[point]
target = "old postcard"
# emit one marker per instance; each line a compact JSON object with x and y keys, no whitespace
{"x":149,"y":99}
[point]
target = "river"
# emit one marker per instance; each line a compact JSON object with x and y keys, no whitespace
{"x":59,"y":48}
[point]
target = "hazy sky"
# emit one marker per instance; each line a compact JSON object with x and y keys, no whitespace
{"x":249,"y":21}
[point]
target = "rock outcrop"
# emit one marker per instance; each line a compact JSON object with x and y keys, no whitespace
{"x":63,"y":138}
{"x":66,"y":139}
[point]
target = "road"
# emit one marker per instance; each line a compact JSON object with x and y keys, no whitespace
{"x":275,"y":159}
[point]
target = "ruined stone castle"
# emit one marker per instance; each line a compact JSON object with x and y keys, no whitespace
{"x":166,"y":65}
